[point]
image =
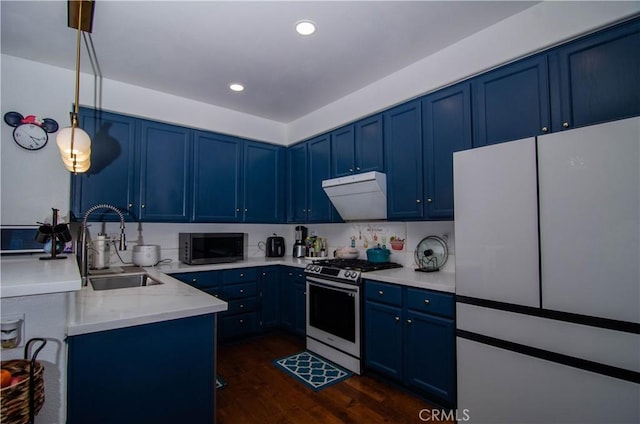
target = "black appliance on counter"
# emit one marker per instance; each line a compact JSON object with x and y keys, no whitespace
{"x":299,"y":247}
{"x":275,"y":247}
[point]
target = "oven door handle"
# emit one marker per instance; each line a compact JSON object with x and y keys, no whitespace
{"x":333,"y":285}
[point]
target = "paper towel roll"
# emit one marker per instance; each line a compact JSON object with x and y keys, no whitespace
{"x":100,"y":252}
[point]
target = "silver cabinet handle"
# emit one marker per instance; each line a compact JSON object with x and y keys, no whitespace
{"x":241,"y":321}
{"x":417,"y":200}
{"x":130,"y":205}
{"x":350,"y":169}
{"x":409,"y":322}
{"x":264,"y":273}
{"x":237,"y":209}
{"x":429,"y":200}
{"x":242,"y":274}
{"x":397,"y":319}
{"x":426,"y":301}
{"x":565,"y":125}
{"x":142,"y":206}
{"x":246,"y":210}
{"x":290,"y":274}
{"x":241,"y":290}
{"x":194,"y":280}
{"x":545,"y":129}
{"x":241,"y":306}
{"x":380,"y":292}
{"x":357,"y":168}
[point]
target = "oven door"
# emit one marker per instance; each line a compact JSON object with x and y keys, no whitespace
{"x":333,"y":314}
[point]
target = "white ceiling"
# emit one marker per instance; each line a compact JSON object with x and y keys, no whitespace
{"x":194,"y":49}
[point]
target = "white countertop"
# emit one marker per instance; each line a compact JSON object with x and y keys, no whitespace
{"x":408,"y":276}
{"x":91,"y":311}
{"x":28,"y":275}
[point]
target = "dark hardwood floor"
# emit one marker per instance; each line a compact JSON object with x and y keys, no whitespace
{"x":258,"y":392}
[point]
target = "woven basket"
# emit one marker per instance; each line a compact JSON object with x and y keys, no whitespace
{"x":14,"y":400}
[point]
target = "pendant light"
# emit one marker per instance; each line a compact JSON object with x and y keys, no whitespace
{"x":74,"y":143}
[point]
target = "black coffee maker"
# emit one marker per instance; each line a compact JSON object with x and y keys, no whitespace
{"x":299,"y":247}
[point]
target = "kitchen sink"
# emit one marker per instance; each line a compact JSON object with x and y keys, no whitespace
{"x":122,"y":282}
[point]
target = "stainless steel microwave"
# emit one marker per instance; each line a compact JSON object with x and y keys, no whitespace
{"x":211,"y":248}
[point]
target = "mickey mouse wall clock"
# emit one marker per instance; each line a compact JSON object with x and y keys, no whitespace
{"x":30,"y":132}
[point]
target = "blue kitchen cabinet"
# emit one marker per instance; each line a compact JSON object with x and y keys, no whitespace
{"x":207,"y":281}
{"x":319,"y":207}
{"x":111,"y":176}
{"x":410,"y":337}
{"x":164,"y":172}
{"x":297,"y":183}
{"x":358,"y":147}
{"x":263,"y":192}
{"x":596,"y":78}
{"x":403,"y":156}
{"x":125,"y":375}
{"x":240,"y":291}
{"x":217,"y":171}
{"x":383,"y":331}
{"x":343,"y":151}
{"x":270,"y":299}
{"x":446,"y":128}
{"x":294,"y":300}
{"x":511,"y":102}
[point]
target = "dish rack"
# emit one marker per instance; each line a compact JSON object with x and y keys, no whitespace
{"x":22,"y":401}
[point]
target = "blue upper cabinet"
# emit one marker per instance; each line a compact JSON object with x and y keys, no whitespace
{"x":343,"y":151}
{"x":446,"y":128}
{"x":358,"y":148}
{"x":403,"y":155}
{"x":263,"y":182}
{"x":111,"y":177}
{"x":297,"y":183}
{"x":164,"y":172}
{"x":217,"y":161}
{"x":511,"y":102}
{"x":597,"y":78}
{"x":369,"y":144}
{"x":319,"y":207}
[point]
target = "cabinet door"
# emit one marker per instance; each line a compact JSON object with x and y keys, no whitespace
{"x":446,"y":126}
{"x":300,"y":308}
{"x":369,"y":144}
{"x":343,"y":152}
{"x":511,"y":102}
{"x":270,"y":297}
{"x":383,"y":339}
{"x":319,"y":208}
{"x":216,"y":177}
{"x":165,"y":174}
{"x":430,"y":355}
{"x":111,"y":178}
{"x":597,"y":78}
{"x":403,"y":154}
{"x":297,"y":187}
{"x":263,"y":182}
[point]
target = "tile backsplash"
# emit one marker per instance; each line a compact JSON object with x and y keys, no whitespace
{"x":363,"y":234}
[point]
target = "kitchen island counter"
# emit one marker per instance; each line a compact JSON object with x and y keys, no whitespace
{"x":27,"y":275}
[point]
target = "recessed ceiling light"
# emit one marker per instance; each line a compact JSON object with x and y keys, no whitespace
{"x":236,"y":87}
{"x":305,"y":27}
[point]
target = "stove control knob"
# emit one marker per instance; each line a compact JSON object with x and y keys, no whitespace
{"x":318,"y":268}
{"x":347,"y":274}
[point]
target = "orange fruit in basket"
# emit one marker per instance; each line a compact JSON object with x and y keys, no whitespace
{"x":5,"y":378}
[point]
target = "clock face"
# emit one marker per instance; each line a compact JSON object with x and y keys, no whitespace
{"x":30,"y":136}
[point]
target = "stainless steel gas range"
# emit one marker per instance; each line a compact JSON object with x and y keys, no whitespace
{"x":334,"y":308}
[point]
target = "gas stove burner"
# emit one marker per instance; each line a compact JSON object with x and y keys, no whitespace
{"x":361,"y":265}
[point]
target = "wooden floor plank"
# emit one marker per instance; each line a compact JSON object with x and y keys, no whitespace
{"x":258,"y":392}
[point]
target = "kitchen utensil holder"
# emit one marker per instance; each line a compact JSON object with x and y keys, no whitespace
{"x":22,"y":401}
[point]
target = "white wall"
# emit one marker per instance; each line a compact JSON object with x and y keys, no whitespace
{"x":532,"y":30}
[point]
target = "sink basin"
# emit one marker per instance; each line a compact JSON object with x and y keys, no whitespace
{"x":122,"y":282}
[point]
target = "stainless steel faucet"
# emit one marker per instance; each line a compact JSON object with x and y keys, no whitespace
{"x":84,"y":245}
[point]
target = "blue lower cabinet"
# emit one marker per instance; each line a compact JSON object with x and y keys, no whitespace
{"x":411,"y":338}
{"x":238,"y":325}
{"x":125,"y":375}
{"x":270,"y":299}
{"x":294,"y":300}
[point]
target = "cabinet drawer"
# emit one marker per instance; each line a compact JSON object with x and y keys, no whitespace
{"x":242,"y":305}
{"x":239,"y":275}
{"x":199,"y":279}
{"x":239,"y":325}
{"x":382,"y":292}
{"x":430,"y":302}
{"x":238,"y":291}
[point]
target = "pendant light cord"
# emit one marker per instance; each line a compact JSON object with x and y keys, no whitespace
{"x":74,"y":119}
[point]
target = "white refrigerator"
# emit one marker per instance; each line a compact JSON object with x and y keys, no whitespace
{"x":547,"y":234}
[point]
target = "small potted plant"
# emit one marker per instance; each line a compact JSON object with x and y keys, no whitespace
{"x":396,"y":243}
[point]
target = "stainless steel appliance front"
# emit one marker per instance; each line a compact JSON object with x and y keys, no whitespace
{"x":333,"y":321}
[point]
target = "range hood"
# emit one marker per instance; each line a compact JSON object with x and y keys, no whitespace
{"x":359,"y":197}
